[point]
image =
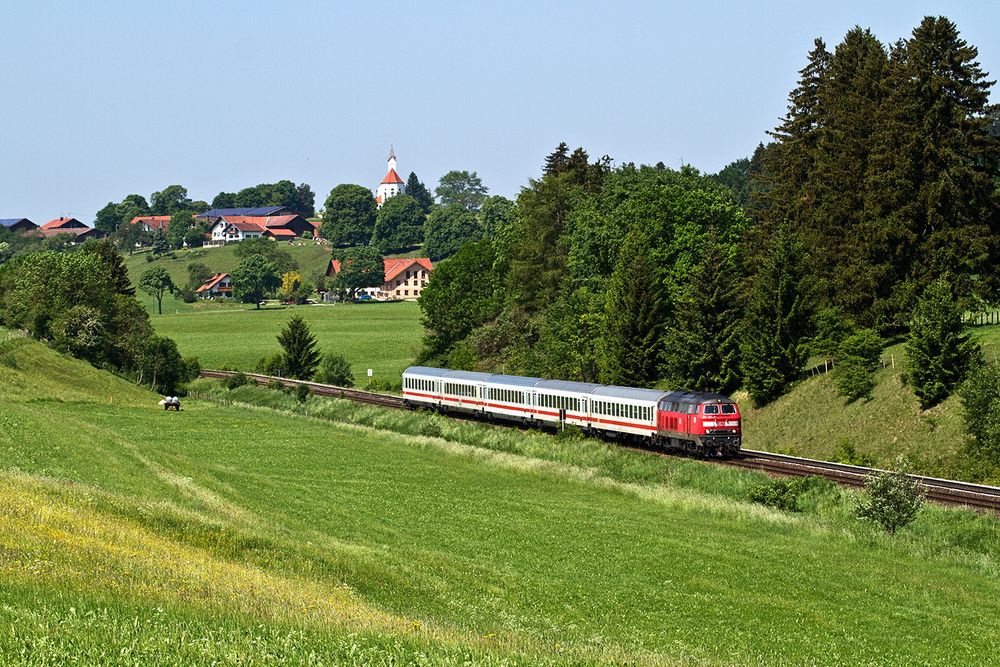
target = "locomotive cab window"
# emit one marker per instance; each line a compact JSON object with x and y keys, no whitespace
{"x":711,"y":409}
{"x":728,"y":409}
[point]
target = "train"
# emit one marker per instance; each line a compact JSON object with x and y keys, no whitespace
{"x":705,"y":424}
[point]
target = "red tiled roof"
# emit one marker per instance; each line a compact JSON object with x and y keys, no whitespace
{"x":213,"y":282}
{"x":393,"y":266}
{"x":63,"y":223}
{"x":279,"y":231}
{"x":152,"y":221}
{"x":392,"y":177}
{"x":67,"y":231}
{"x":397,"y":266}
{"x":244,"y":223}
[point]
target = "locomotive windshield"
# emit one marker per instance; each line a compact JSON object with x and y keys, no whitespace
{"x":728,"y":409}
{"x":711,"y":409}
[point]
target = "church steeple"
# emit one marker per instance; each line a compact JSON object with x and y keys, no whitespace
{"x":392,"y":184}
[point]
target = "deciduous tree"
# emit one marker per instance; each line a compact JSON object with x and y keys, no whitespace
{"x":399,"y":225}
{"x":253,"y":279}
{"x":349,"y":216}
{"x":463,"y":188}
{"x":447,"y":229}
{"x":155,"y":282}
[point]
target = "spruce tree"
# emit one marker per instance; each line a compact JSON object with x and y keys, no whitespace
{"x":939,"y":351}
{"x":777,"y":323}
{"x":703,"y":352}
{"x":635,"y":313}
{"x":419,"y":192}
{"x":786,"y":165}
{"x":558,"y":160}
{"x":301,"y":358}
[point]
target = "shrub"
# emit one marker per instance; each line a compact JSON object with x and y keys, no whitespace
{"x":302,"y":393}
{"x":336,"y":370}
{"x":892,"y":499}
{"x":275,"y":384}
{"x":847,"y":454}
{"x":939,"y":350}
{"x":981,"y":408}
{"x":271,"y":365}
{"x":858,"y":358}
{"x":238,"y":380}
{"x":187,"y":295}
{"x":149,"y":257}
{"x":784,"y":494}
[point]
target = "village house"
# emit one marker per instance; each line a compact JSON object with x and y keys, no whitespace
{"x":152,"y":223}
{"x":221,"y":285}
{"x":64,"y":226}
{"x":236,"y":228}
{"x":404,"y":279}
{"x":18,"y":224}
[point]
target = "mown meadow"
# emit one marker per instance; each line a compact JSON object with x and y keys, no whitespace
{"x":253,"y":529}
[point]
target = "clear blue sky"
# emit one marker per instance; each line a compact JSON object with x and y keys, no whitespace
{"x":102,"y":99}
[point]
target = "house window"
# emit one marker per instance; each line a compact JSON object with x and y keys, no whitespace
{"x":406,"y":292}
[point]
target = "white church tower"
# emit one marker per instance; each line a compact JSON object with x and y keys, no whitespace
{"x":392,"y":184}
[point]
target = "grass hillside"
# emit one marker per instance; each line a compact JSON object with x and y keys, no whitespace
{"x":312,"y":258}
{"x":239,"y":534}
{"x":813,"y":421}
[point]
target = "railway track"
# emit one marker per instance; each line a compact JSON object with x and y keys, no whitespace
{"x":941,"y":490}
{"x":947,"y":491}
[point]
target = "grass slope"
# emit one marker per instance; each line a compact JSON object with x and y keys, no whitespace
{"x":312,"y":258}
{"x":251,"y":535}
{"x":813,"y":421}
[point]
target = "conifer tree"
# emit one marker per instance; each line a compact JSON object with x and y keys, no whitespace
{"x":558,"y":160}
{"x":419,"y":192}
{"x":939,"y":351}
{"x":635,"y":312}
{"x":777,"y":323}
{"x":936,"y":152}
{"x":703,"y":351}
{"x":301,"y":358}
{"x":786,"y":166}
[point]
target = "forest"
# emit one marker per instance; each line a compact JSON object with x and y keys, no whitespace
{"x":874,"y":203}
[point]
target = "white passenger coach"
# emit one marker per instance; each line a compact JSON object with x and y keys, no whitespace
{"x":534,"y":401}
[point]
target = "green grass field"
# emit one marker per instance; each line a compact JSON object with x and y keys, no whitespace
{"x":382,"y":336}
{"x":330,"y":533}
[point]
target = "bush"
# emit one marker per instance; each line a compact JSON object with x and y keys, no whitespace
{"x":192,"y":368}
{"x":847,"y":454}
{"x":238,"y":380}
{"x":149,"y":257}
{"x":857,"y":359}
{"x":275,"y":384}
{"x":784,"y":494}
{"x":302,"y":393}
{"x":187,"y":295}
{"x":335,"y":370}
{"x":981,"y":408}
{"x":939,"y":350}
{"x":892,"y":499}
{"x":272,"y":365}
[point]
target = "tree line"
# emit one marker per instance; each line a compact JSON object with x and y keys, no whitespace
{"x":463,"y":212}
{"x":873,"y":212}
